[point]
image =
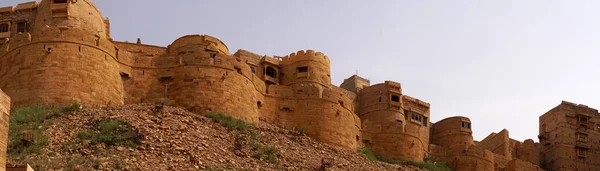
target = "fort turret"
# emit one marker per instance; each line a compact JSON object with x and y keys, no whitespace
{"x":306,"y":67}
{"x":200,"y":75}
{"x":395,"y":126}
{"x":60,"y":54}
{"x":453,"y":133}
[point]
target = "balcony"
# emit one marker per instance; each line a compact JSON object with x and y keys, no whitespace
{"x":582,"y":145}
{"x":271,"y":79}
{"x":583,"y":130}
{"x":273,"y":61}
{"x":60,"y":10}
{"x":4,"y":35}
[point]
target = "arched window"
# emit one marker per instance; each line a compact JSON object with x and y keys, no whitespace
{"x":4,"y":27}
{"x":271,"y":72}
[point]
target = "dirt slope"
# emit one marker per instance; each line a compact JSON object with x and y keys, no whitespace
{"x":175,"y":139}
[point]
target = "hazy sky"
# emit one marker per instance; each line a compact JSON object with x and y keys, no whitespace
{"x":501,"y":63}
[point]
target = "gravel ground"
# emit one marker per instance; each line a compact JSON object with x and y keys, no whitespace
{"x":175,"y":139}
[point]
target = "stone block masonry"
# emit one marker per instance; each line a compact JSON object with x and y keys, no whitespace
{"x":57,"y":52}
{"x":4,"y":120}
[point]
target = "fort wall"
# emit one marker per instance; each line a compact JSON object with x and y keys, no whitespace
{"x":61,"y":61}
{"x":5,"y":106}
{"x":324,"y":114}
{"x":498,"y":143}
{"x":57,"y":53}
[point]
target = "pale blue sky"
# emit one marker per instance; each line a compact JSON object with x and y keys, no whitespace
{"x":501,"y":63}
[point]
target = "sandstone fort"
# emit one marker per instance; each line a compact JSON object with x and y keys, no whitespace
{"x":60,"y":51}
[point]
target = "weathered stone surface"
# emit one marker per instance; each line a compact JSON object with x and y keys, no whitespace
{"x":57,"y":53}
{"x":4,"y":120}
{"x":570,"y":137}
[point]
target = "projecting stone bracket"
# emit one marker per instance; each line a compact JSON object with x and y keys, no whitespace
{"x":60,"y":10}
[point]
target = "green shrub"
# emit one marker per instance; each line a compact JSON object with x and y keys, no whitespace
{"x":72,"y":107}
{"x":428,"y":163}
{"x":112,"y":132}
{"x":431,"y":165}
{"x":368,"y":153}
{"x":229,"y":122}
{"x":268,"y":153}
{"x":27,"y":125}
{"x":386,"y":160}
{"x":302,"y":130}
{"x":57,"y":112}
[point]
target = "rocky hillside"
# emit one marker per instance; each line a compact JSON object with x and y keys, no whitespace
{"x":148,"y":137}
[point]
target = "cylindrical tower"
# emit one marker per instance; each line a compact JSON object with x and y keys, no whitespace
{"x":67,"y":57}
{"x":200,"y":75}
{"x":387,"y":131}
{"x":453,"y":133}
{"x":306,"y":67}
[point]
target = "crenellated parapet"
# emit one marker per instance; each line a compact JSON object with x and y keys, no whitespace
{"x":57,"y":52}
{"x":201,"y":42}
{"x":306,"y":67}
{"x":20,"y":7}
{"x":308,"y":55}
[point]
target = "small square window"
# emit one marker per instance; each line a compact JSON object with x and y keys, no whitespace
{"x":580,"y":152}
{"x":302,"y":69}
{"x":60,"y":1}
{"x":4,"y":27}
{"x":22,"y":27}
{"x":395,"y":98}
{"x":581,"y":137}
{"x":466,"y":125}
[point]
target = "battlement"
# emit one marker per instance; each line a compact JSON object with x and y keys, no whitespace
{"x":271,"y":60}
{"x":19,"y":7}
{"x":26,"y":6}
{"x":417,"y":101}
{"x":59,"y":52}
{"x":250,"y":57}
{"x":577,"y":105}
{"x":209,"y":42}
{"x":308,"y":55}
{"x":8,"y":9}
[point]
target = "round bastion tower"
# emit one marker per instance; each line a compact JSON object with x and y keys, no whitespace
{"x":455,"y":137}
{"x":202,"y":76}
{"x":306,"y":100}
{"x":395,"y":126}
{"x":453,"y":133}
{"x":306,"y":67}
{"x":66,"y":56}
